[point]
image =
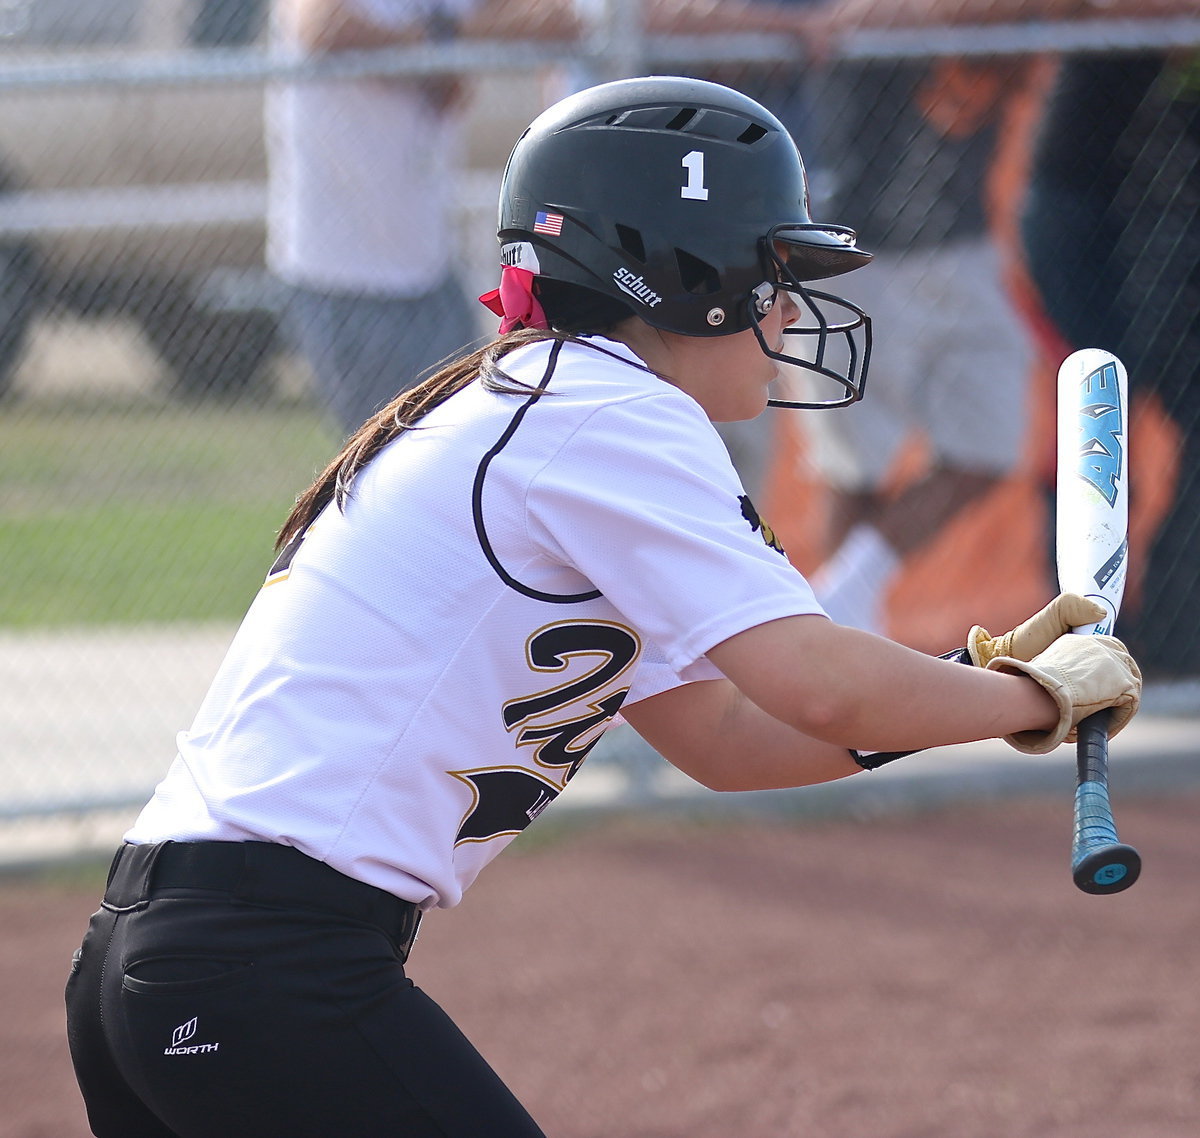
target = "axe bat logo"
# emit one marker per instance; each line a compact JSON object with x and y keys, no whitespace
{"x":1101,"y":430}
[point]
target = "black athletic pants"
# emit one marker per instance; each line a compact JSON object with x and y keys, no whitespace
{"x":230,"y":989}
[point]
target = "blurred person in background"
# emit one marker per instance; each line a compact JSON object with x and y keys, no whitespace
{"x":362,"y":193}
{"x":904,"y":149}
{"x":370,"y":299}
{"x":1111,"y":230}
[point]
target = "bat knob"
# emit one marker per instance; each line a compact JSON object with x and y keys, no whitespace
{"x":1109,"y":869}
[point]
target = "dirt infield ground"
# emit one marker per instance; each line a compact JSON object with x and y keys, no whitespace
{"x":905,"y":977}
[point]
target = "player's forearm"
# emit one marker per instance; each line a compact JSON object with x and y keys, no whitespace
{"x":835,"y":689}
{"x":904,"y":700}
{"x":713,"y":734}
{"x":852,"y":689}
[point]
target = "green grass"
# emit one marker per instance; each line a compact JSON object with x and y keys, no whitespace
{"x":133,"y":512}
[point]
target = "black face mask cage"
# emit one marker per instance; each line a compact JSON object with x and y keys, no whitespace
{"x":833,"y":326}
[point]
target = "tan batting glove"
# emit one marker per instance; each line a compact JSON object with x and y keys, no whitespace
{"x":1066,"y":611}
{"x":1084,"y":674}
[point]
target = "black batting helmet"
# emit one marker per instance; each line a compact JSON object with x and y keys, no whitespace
{"x":687,"y":202}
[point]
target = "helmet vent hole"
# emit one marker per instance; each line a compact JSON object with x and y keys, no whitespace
{"x":752,"y":134}
{"x":631,"y":242}
{"x":697,"y":277}
{"x":680,"y":121}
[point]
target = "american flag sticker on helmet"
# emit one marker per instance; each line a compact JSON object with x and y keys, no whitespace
{"x":548,"y":223}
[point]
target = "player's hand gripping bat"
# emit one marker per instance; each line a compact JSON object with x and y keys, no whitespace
{"x":1092,"y":551}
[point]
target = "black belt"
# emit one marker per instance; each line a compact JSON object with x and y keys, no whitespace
{"x":264,"y":872}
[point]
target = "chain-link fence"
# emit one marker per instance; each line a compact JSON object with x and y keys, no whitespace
{"x":168,"y":368}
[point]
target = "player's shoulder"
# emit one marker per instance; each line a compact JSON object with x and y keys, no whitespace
{"x":599,"y":390}
{"x":595,"y":372}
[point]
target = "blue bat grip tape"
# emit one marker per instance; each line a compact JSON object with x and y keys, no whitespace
{"x":1093,"y":817}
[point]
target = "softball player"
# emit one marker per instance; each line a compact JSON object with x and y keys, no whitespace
{"x":543,"y":535}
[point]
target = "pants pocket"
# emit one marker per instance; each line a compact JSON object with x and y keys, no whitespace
{"x":180,"y":975}
{"x":185,"y":1029}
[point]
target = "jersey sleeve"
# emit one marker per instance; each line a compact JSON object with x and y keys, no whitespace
{"x":644,"y":502}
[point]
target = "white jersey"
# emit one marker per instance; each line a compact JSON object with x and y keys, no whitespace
{"x":361,"y":173}
{"x":428,"y":669}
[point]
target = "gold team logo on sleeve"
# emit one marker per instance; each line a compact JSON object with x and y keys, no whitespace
{"x":759,"y":526}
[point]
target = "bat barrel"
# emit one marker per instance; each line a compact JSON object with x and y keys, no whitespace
{"x":1092,"y":516}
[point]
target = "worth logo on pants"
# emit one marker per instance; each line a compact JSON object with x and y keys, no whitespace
{"x":181,"y":1035}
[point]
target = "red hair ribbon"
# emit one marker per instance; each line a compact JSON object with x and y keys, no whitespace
{"x":514,"y":301}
